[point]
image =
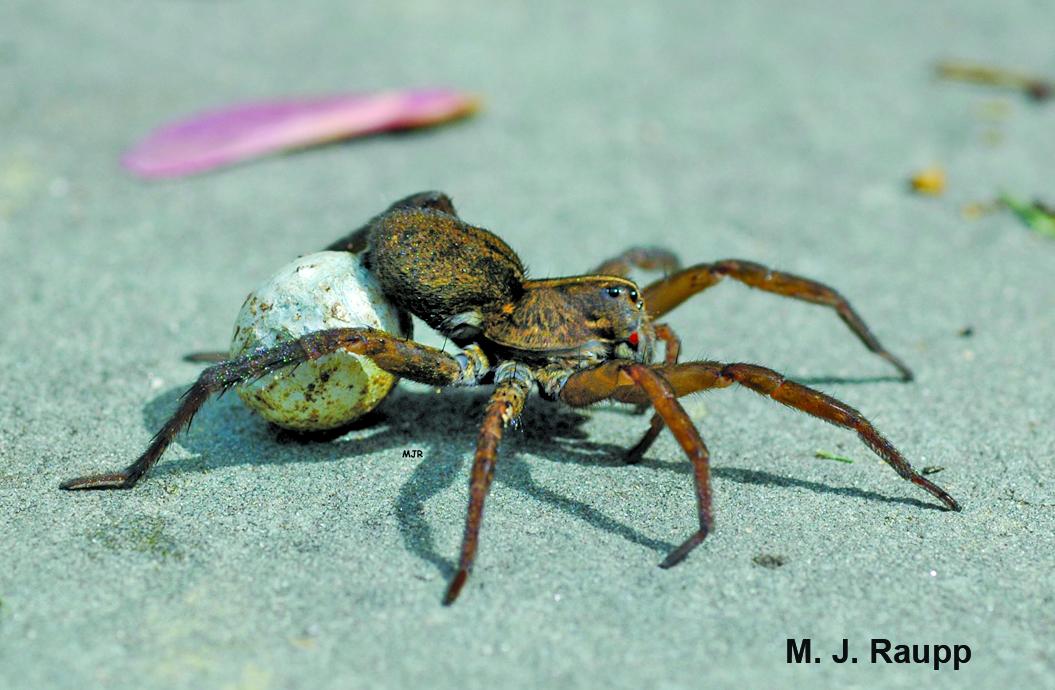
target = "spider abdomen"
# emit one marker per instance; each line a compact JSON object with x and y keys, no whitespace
{"x":437,"y":267}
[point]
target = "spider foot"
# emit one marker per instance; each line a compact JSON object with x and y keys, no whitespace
{"x":634,"y":455}
{"x":936,"y":491}
{"x":114,"y":480}
{"x":455,"y":587}
{"x":906,"y":373}
{"x":678,"y":555}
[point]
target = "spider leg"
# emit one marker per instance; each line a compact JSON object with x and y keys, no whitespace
{"x":401,"y":357}
{"x":206,"y":356}
{"x":670,"y":356}
{"x":608,"y":381}
{"x":670,"y":340}
{"x":506,"y":404}
{"x":667,"y":293}
{"x":665,"y":401}
{"x":356,"y":240}
{"x":647,"y":258}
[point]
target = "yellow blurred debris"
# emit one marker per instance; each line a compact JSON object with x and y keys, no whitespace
{"x":980,"y":209}
{"x":994,"y":110}
{"x":930,"y":181}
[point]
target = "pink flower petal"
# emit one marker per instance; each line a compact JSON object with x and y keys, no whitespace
{"x":222,"y":137}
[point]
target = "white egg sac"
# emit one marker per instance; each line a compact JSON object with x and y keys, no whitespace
{"x":316,"y":292}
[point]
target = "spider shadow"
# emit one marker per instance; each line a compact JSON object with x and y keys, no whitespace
{"x":406,"y":419}
{"x":741,"y":475}
{"x":424,"y":419}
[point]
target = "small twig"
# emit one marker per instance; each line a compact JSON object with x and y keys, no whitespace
{"x":1035,"y":215}
{"x":825,"y":455}
{"x":1036,"y":88}
{"x":1043,"y":208}
{"x":769,"y":560}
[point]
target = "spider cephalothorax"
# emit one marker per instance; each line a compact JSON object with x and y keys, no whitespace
{"x":579,"y":340}
{"x":469,"y":285}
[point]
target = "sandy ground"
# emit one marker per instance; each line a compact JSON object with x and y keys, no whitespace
{"x":779,"y":132}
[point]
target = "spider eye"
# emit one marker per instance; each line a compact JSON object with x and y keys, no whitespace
{"x":633,"y":295}
{"x":614,"y":291}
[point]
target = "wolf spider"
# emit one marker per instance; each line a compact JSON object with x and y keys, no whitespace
{"x":578,"y":340}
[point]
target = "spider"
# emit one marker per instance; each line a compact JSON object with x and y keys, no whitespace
{"x":578,"y":340}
